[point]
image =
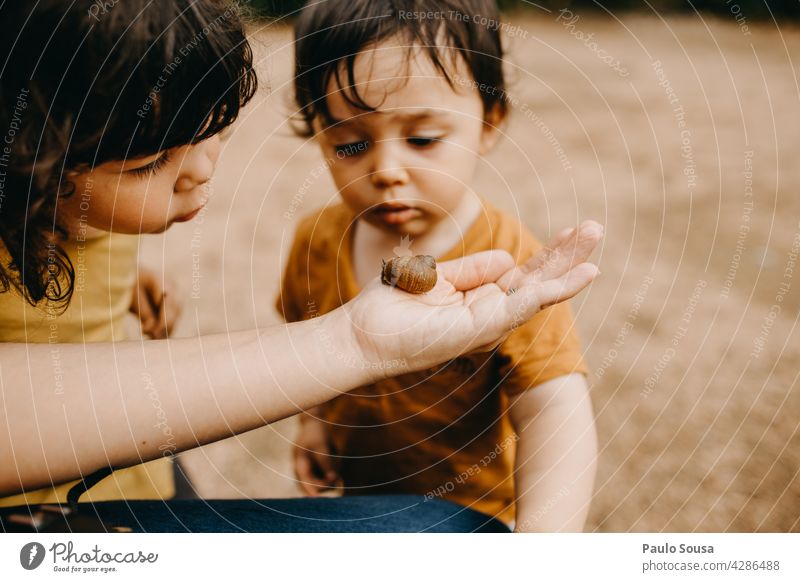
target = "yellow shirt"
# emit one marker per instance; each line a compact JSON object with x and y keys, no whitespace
{"x":443,"y":432}
{"x":105,"y":272}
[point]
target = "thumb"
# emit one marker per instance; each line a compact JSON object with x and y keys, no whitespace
{"x":305,"y":475}
{"x":328,"y":466}
{"x":144,"y":309}
{"x":474,"y":270}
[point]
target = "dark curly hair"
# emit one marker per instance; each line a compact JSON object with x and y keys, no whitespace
{"x":86,"y":82}
{"x":330,"y":34}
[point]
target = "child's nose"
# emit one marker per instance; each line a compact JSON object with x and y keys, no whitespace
{"x":198,"y":164}
{"x":387,"y":170}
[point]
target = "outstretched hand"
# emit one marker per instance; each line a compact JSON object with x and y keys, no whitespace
{"x":477,"y":301}
{"x":156,"y":303}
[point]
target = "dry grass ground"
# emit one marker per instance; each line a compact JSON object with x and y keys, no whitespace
{"x":695,"y":374}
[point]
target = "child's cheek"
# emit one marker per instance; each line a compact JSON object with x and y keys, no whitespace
{"x":444,"y":189}
{"x":341,"y":173}
{"x":353,"y":198}
{"x":142,"y":205}
{"x":354,"y":186}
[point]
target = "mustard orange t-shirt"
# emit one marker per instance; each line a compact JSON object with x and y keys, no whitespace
{"x":105,"y":273}
{"x":443,"y":432}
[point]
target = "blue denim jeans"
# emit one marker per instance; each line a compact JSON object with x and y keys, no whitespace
{"x":373,"y":513}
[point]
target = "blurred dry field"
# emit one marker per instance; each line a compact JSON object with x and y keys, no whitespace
{"x":686,"y":150}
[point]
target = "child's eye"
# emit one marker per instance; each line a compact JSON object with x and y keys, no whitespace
{"x":152,"y":167}
{"x":354,"y":148}
{"x":423,"y":142}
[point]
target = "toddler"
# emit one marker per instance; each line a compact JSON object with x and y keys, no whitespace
{"x":403,"y":99}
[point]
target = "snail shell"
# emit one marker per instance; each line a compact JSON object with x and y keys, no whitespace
{"x":413,"y":274}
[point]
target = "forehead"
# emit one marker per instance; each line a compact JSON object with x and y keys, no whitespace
{"x":393,"y":77}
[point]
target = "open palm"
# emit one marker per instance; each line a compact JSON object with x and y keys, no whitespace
{"x":476,"y":302}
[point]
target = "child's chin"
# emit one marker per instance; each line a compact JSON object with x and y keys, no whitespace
{"x":157,"y":229}
{"x":412,"y":228}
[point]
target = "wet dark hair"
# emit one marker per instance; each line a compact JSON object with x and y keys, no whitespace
{"x":329,"y":35}
{"x":86,"y":82}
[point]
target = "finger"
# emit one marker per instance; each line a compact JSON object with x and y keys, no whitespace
{"x":475,"y":270}
{"x":305,"y":475}
{"x":160,"y":329}
{"x":490,"y":290}
{"x":327,"y":468}
{"x":173,"y":307}
{"x":151,"y":287}
{"x":135,"y":299}
{"x":516,"y":277}
{"x":573,"y":250}
{"x":168,"y":312}
{"x":537,"y":296}
{"x":149,"y":297}
{"x":559,"y":239}
{"x":568,"y":248}
{"x":145,"y":312}
{"x":491,"y":346}
{"x":567,"y":286}
{"x":493,"y":314}
{"x":561,"y":236}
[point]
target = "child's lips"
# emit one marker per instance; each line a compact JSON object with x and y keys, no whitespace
{"x":395,"y":213}
{"x":191,"y":215}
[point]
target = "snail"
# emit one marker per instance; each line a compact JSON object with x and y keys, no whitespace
{"x":413,"y":274}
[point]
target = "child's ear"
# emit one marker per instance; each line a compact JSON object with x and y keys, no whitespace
{"x":492,"y":120}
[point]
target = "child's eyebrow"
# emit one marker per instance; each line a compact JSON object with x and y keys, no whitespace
{"x":417,"y":114}
{"x":402,"y":115}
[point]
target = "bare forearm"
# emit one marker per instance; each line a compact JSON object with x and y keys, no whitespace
{"x":125,"y":403}
{"x":556,"y":456}
{"x":121,"y":404}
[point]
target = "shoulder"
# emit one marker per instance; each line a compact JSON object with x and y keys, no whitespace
{"x":320,"y":234}
{"x":324,"y":225}
{"x":501,"y":230}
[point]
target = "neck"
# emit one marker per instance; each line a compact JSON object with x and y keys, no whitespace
{"x":435,"y":242}
{"x":449,"y":232}
{"x":371,"y":244}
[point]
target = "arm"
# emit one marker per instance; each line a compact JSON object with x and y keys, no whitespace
{"x":126,"y":403}
{"x":556,"y":455}
{"x":316,"y":468}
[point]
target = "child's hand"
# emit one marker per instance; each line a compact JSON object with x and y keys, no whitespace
{"x":157,"y":305}
{"x":316,"y":470}
{"x":476,"y":303}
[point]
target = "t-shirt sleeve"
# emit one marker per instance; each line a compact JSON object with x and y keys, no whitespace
{"x":544,"y":348}
{"x":287,"y":303}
